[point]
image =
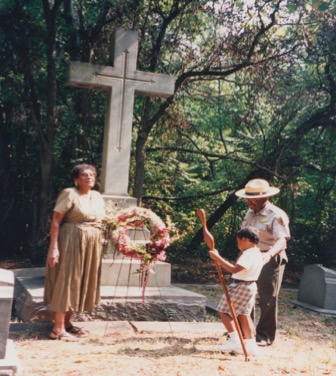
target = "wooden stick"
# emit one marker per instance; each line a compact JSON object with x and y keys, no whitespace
{"x":210,"y":241}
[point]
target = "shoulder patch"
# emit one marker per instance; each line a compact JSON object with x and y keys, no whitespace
{"x":280,"y":220}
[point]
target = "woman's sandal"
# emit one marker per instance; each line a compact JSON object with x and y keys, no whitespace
{"x":63,"y":336}
{"x":76,"y":330}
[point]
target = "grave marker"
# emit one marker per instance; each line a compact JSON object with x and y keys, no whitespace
{"x":317,"y":289}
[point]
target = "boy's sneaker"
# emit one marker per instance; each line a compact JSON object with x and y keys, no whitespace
{"x":231,"y":346}
{"x":252,"y":347}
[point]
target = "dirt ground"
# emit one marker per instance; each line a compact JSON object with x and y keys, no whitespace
{"x":305,"y":345}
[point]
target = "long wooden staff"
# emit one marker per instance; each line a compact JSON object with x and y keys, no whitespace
{"x":210,"y":241}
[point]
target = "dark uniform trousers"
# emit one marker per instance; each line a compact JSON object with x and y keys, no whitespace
{"x":269,"y":283}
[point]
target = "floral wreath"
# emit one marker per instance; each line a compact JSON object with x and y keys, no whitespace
{"x":149,"y":253}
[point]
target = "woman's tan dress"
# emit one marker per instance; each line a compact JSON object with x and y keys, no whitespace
{"x":74,"y":283}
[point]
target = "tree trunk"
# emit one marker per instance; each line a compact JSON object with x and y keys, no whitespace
{"x":218,"y":213}
{"x":140,"y":157}
{"x":46,"y":138}
{"x":145,"y":127}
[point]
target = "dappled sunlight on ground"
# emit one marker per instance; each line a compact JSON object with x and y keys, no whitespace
{"x":305,"y":345}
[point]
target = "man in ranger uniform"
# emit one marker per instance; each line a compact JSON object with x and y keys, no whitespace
{"x":272,"y":223}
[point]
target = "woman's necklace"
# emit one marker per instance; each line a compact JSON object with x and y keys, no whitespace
{"x":86,"y":196}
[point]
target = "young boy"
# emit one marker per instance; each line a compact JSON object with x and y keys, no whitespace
{"x":242,"y":291}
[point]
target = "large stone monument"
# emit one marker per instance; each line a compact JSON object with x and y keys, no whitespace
{"x":317,"y":290}
{"x":9,"y":364}
{"x":122,"y":81}
{"x":120,"y":291}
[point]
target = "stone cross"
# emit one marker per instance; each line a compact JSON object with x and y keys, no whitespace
{"x":122,"y":81}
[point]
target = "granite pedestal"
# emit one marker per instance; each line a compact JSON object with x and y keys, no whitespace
{"x":121,"y":296}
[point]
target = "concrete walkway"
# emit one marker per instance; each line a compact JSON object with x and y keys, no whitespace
{"x":107,"y":328}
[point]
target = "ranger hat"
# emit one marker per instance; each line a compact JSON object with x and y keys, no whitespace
{"x":257,"y":188}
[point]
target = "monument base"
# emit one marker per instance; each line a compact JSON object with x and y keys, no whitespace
{"x":125,"y":272}
{"x":326,"y":312}
{"x":116,"y":203}
{"x":160,"y":303}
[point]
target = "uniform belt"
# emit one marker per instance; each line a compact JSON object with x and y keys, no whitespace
{"x":241,"y":280}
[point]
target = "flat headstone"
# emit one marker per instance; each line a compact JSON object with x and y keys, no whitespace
{"x":317,"y":289}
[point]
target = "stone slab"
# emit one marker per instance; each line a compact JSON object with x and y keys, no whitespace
{"x":117,"y":302}
{"x":99,"y":328}
{"x":327,"y":312}
{"x":127,"y":328}
{"x":10,"y":365}
{"x":180,"y":327}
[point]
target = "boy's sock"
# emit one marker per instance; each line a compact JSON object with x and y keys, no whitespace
{"x":232,"y":344}
{"x":252,"y":347}
{"x":234,"y":336}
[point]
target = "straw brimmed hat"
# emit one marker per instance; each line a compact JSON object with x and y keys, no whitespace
{"x":257,"y":188}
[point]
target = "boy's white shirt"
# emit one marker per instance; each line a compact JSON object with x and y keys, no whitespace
{"x":252,"y":262}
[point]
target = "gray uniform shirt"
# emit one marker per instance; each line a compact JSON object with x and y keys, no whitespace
{"x":272,"y":223}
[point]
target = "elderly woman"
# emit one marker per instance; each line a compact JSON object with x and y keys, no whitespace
{"x":75,"y":252}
